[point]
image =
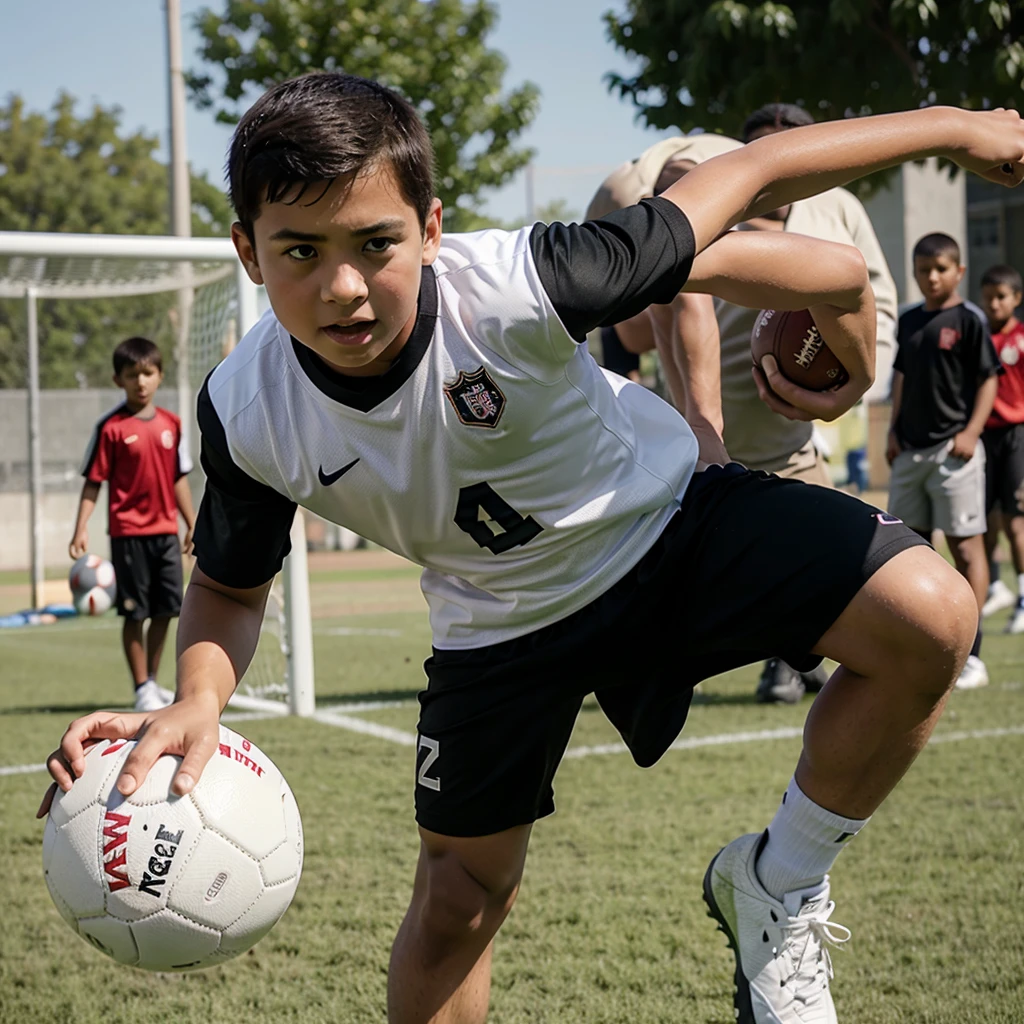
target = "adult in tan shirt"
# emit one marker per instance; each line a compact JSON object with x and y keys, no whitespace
{"x":718,"y":394}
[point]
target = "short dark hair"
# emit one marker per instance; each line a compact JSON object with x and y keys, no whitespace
{"x":937,"y":244}
{"x":137,"y":352}
{"x":1003,"y":273}
{"x":318,"y":127}
{"x":777,"y":116}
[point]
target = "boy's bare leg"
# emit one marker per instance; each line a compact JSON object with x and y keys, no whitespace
{"x":1015,"y":531}
{"x":995,"y":526}
{"x":155,"y":637}
{"x":133,"y":636}
{"x":970,"y":560}
{"x":901,"y":643}
{"x":440,"y":970}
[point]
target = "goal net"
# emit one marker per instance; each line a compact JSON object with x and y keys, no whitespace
{"x":192,"y":298}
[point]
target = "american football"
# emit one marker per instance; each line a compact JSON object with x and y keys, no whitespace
{"x":793,"y":338}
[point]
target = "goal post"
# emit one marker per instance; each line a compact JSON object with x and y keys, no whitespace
{"x":35,"y":266}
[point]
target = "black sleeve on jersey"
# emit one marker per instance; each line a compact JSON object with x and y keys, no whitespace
{"x":614,"y":356}
{"x":605,"y":271}
{"x":242,"y":528}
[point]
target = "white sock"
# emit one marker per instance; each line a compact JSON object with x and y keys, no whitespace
{"x":803,"y":843}
{"x":1020,"y":584}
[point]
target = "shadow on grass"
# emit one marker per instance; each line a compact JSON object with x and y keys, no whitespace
{"x":60,"y":709}
{"x":341,"y":699}
{"x":699,"y":700}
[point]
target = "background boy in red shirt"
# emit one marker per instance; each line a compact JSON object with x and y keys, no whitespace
{"x":135,"y":448}
{"x":1001,"y":290}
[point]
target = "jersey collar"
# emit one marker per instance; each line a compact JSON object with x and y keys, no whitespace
{"x":366,"y":393}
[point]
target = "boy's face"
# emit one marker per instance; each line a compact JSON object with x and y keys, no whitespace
{"x":343,"y":272}
{"x":139,"y":381}
{"x":937,"y":276}
{"x":999,"y":301}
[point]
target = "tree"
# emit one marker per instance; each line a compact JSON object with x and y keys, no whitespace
{"x":434,"y":53}
{"x":709,"y":65}
{"x":59,"y":172}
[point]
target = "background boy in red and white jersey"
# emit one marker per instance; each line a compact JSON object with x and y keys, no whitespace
{"x":1001,"y":292}
{"x":136,"y":448}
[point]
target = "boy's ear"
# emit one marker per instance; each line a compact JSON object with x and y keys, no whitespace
{"x":116,"y":378}
{"x":432,"y":232}
{"x":246,"y":252}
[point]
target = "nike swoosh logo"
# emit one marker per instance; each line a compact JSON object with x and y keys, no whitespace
{"x":329,"y":478}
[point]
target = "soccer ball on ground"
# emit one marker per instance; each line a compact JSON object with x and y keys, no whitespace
{"x":173,"y":883}
{"x":93,"y":586}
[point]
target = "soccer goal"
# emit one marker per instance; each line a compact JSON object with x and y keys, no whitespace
{"x":206,"y":302}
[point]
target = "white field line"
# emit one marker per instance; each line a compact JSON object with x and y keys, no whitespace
{"x":21,"y":769}
{"x":356,"y":631}
{"x":408,"y":739}
{"x":383,"y":732}
{"x":258,"y":704}
{"x":369,"y":705}
{"x":718,"y":740}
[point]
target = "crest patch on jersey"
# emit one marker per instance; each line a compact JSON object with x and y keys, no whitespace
{"x":476,"y":399}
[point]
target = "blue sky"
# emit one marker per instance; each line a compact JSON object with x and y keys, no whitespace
{"x":113,"y":52}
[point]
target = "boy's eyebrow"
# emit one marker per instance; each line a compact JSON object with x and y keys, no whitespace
{"x":389,"y":224}
{"x":292,"y":235}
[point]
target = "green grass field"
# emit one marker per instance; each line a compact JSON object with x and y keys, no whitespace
{"x":610,"y":926}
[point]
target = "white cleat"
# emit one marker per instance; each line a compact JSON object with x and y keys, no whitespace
{"x":1016,"y":622}
{"x":150,"y":697}
{"x":1000,"y":596}
{"x":973,"y":675}
{"x":783,"y":967}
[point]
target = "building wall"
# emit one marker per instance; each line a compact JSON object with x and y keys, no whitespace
{"x":996,"y":230}
{"x":921,"y":199}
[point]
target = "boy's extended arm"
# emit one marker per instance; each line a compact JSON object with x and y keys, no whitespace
{"x":217,"y":635}
{"x":183,"y":496}
{"x":783,"y":168}
{"x":86,"y":504}
{"x":773,"y":270}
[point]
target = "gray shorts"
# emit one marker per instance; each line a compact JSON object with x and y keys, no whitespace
{"x":929,"y":489}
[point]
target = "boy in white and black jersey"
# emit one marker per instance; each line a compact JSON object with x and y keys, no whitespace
{"x":433,"y":395}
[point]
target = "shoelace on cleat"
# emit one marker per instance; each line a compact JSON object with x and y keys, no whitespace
{"x":814,"y":933}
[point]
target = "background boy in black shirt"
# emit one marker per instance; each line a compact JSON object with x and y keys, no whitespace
{"x":943,"y":388}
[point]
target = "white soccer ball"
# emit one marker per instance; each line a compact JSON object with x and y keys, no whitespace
{"x":173,"y":883}
{"x":93,"y":585}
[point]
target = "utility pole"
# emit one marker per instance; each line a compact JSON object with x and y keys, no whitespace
{"x":181,"y":209}
{"x":531,"y":205}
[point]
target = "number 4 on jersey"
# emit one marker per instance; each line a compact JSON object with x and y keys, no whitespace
{"x":516,"y":530}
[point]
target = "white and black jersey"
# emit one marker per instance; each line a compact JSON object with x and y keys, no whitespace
{"x":494,"y":452}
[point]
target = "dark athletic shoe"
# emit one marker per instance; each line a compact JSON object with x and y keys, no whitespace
{"x":779,"y":684}
{"x":815,"y":679}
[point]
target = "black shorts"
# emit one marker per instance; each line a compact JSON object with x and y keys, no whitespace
{"x":1004,"y":469}
{"x":614,"y":356}
{"x":752,"y":566}
{"x":148,"y":571}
